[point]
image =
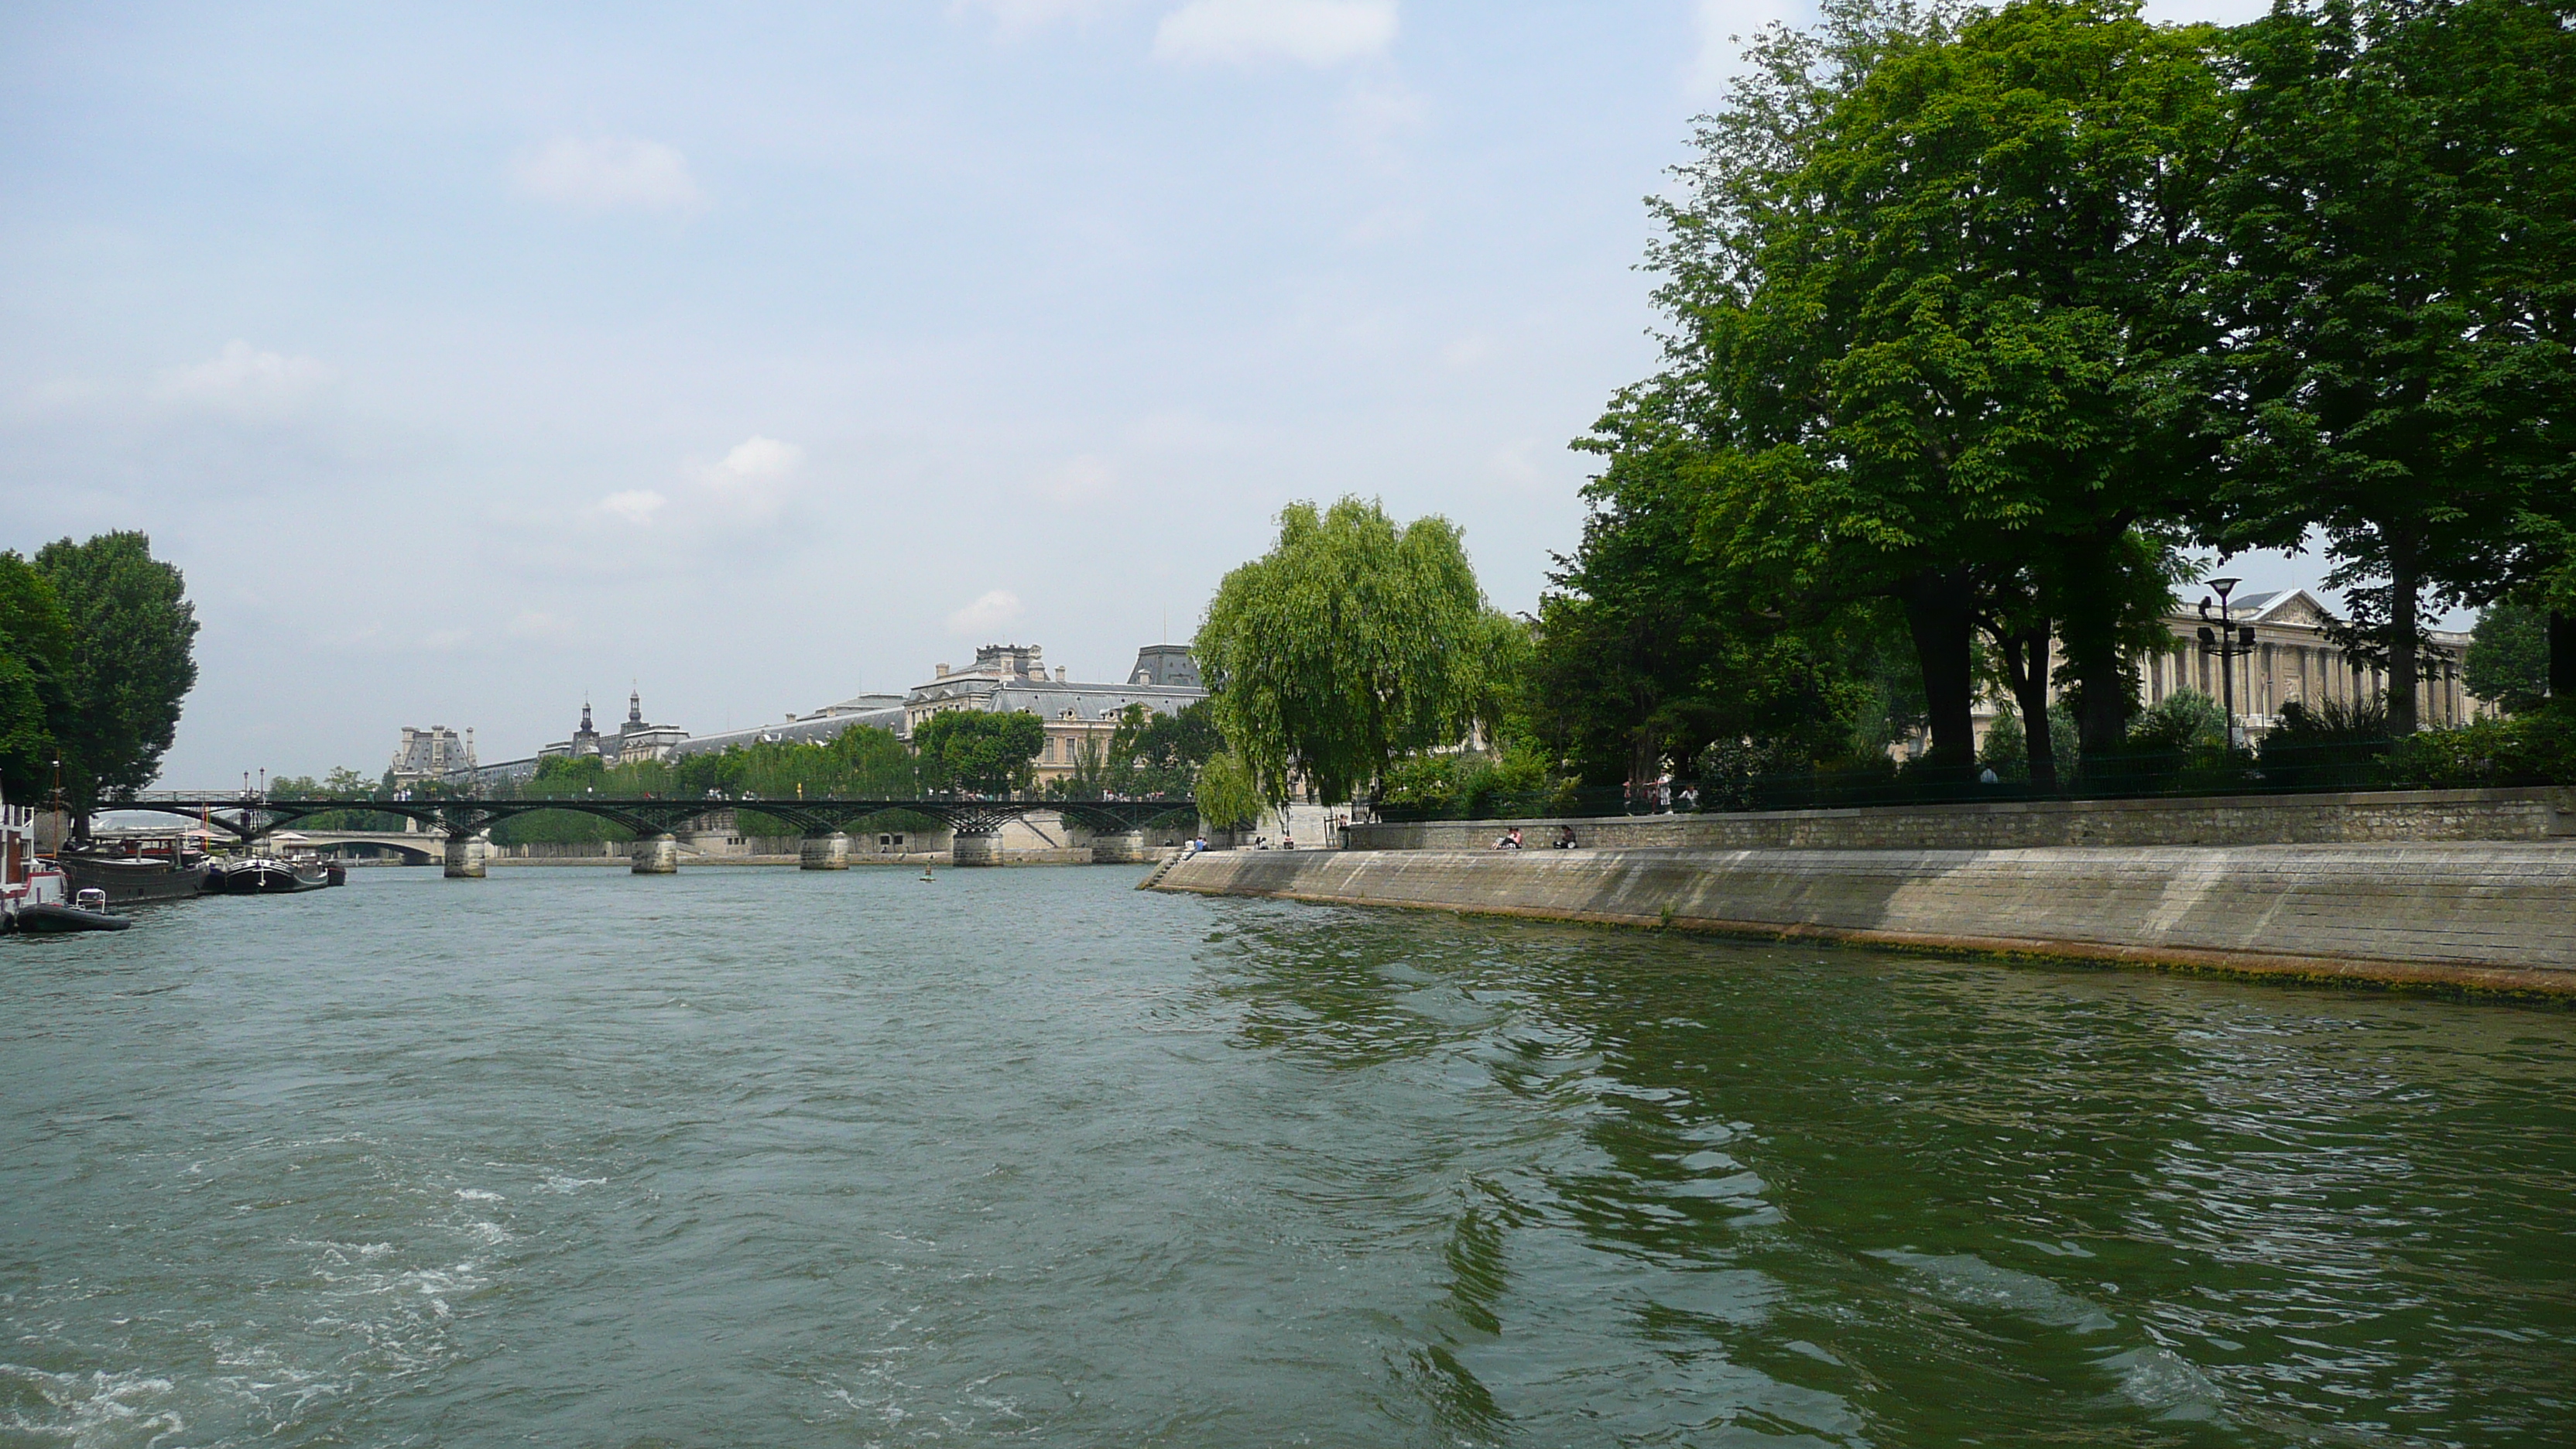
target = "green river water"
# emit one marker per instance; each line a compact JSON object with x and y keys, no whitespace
{"x":756,"y":1157}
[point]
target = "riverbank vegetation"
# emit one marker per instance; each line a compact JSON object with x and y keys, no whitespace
{"x":97,"y":652}
{"x":1985,"y":330}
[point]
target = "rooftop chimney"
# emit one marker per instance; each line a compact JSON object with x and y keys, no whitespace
{"x":943,"y":672}
{"x":1059,"y":674}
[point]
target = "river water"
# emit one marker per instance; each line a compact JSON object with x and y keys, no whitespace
{"x":755,"y":1157}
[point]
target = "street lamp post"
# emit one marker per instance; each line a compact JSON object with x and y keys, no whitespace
{"x":2227,"y":643}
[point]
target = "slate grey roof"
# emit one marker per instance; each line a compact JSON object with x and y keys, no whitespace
{"x":1049,"y":699}
{"x":813,"y":729}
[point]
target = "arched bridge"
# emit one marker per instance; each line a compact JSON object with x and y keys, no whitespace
{"x":824,"y":822}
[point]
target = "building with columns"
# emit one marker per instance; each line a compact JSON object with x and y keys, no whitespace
{"x":2293,"y":659}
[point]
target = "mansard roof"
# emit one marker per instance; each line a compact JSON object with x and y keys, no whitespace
{"x":2295,"y":607}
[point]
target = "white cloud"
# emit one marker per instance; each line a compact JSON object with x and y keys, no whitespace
{"x":756,"y":460}
{"x":754,"y":480}
{"x":242,"y":379}
{"x":636,"y":506}
{"x":607,"y":172}
{"x":996,"y":610}
{"x":1314,"y":32}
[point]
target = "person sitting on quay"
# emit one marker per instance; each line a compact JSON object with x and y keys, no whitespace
{"x":1511,"y":839}
{"x":1565,"y":837}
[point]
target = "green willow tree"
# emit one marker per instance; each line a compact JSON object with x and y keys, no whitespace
{"x":1228,"y":795}
{"x":133,"y":636}
{"x":1350,"y":643}
{"x":1932,"y":338}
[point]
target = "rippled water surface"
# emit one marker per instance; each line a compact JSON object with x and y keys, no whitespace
{"x":762,"y":1157}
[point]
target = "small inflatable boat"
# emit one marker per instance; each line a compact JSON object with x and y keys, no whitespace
{"x":56,"y":919}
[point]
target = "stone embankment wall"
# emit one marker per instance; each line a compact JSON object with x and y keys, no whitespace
{"x":2376,"y":816}
{"x":2495,"y":916}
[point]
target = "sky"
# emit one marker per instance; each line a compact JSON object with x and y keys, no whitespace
{"x":476,"y":360}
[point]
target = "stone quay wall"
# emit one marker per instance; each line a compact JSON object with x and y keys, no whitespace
{"x":2485,"y":916}
{"x":2378,"y":816}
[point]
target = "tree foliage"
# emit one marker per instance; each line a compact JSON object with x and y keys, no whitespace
{"x":1352,"y":642}
{"x":36,"y":681}
{"x":1978,"y":320}
{"x":1145,"y":754}
{"x":2399,"y":221}
{"x":2508,"y":660}
{"x":133,"y":635}
{"x":988,"y":752}
{"x":1648,"y":651}
{"x":1229,"y":796}
{"x":1927,"y":345}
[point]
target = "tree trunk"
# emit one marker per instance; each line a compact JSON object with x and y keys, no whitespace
{"x":2026,"y":666}
{"x":1645,"y":761}
{"x":2095,"y":580}
{"x":2405,"y":586}
{"x":2562,"y":660}
{"x":1939,"y":613}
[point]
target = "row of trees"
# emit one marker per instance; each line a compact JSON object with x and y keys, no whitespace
{"x":97,"y":651}
{"x":1980,"y":320}
{"x":1986,"y":328}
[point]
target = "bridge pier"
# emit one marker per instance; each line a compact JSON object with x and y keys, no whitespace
{"x":465,"y":853}
{"x":824,"y":852}
{"x":977,"y":847}
{"x":1119,"y":848}
{"x":655,"y":855}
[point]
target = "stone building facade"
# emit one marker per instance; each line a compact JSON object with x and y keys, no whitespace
{"x":431,"y":754}
{"x":634,"y":740}
{"x":1079,"y":717}
{"x":2293,"y":660}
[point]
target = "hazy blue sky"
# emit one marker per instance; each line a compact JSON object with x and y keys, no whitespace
{"x":472,"y":359}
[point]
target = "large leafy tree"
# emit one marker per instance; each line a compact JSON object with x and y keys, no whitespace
{"x":36,"y":663}
{"x":1931,"y":285}
{"x":1351,"y":642}
{"x":2400,"y":222}
{"x":2508,"y":659}
{"x":1647,"y":652}
{"x":990,"y":752}
{"x":132,"y":660}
